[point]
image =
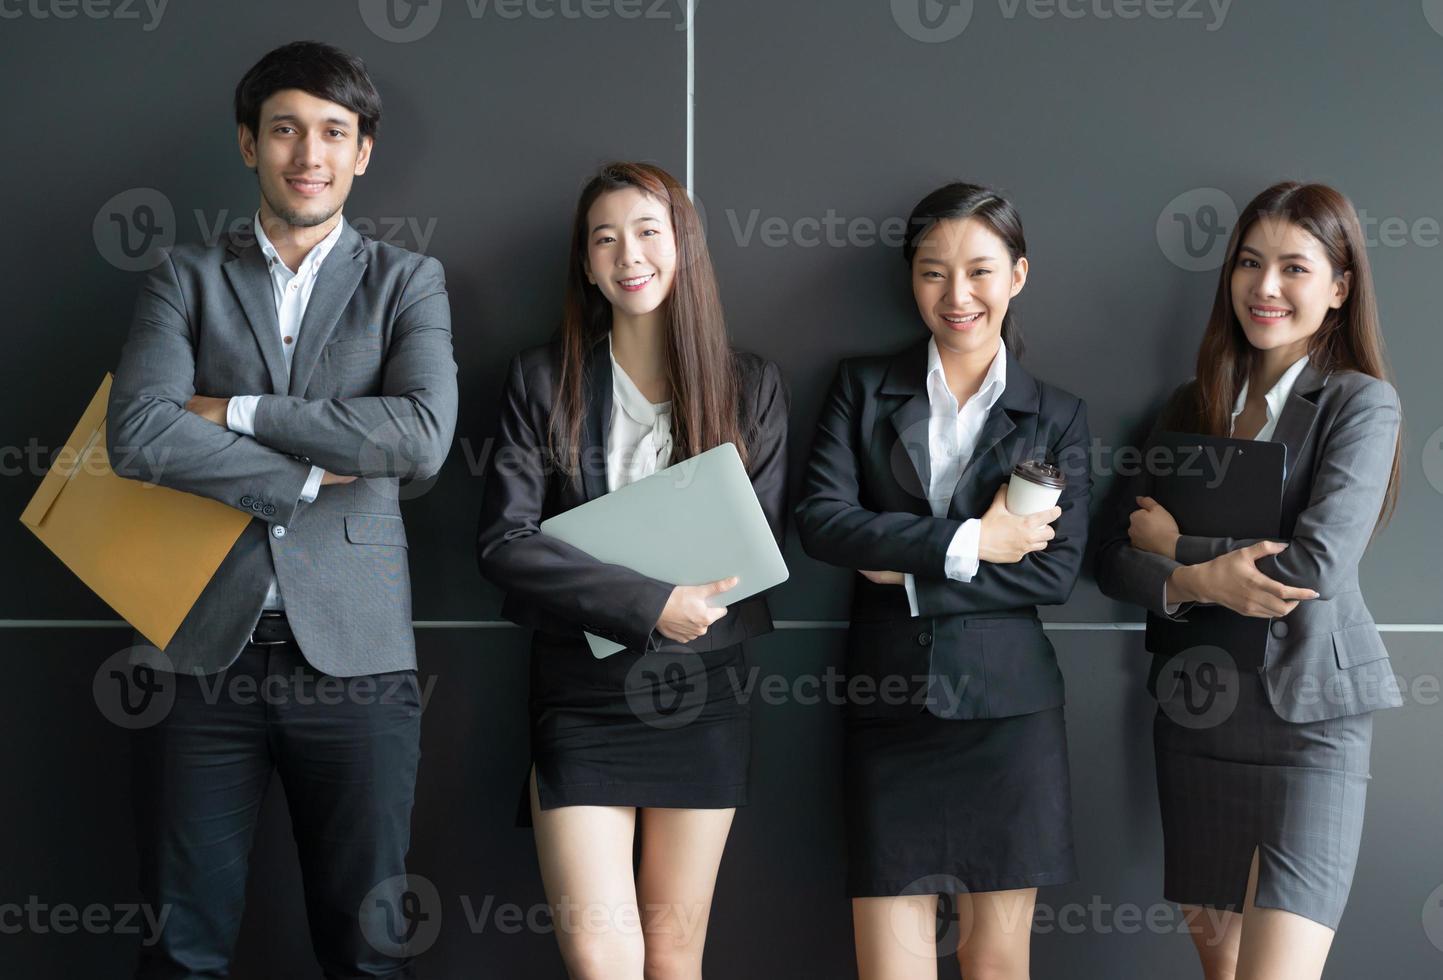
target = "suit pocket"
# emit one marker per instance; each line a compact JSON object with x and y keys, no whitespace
{"x":1022,"y":671}
{"x":1358,"y":645}
{"x":376,"y":529}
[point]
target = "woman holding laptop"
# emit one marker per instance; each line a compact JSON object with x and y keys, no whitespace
{"x":642,"y":376}
{"x":956,"y":754}
{"x":1262,"y":798}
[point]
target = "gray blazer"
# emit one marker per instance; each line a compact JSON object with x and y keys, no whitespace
{"x":372,"y":393}
{"x":1325,"y":659}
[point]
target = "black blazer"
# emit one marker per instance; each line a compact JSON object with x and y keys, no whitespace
{"x":977,"y":649}
{"x":557,"y":588}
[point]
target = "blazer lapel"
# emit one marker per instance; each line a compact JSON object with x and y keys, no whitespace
{"x":597,"y":394}
{"x":337,"y":280}
{"x":250,"y":279}
{"x":907,"y":378}
{"x":1297,"y":417}
{"x":1019,"y":397}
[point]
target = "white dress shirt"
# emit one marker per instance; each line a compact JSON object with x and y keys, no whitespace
{"x":1274,"y":400}
{"x":291,"y":292}
{"x":952,"y":434}
{"x":638,"y":439}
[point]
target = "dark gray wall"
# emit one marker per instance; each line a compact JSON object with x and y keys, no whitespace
{"x":813,"y":119}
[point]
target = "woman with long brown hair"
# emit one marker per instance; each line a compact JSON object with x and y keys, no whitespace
{"x":1262,"y":798}
{"x":642,"y":376}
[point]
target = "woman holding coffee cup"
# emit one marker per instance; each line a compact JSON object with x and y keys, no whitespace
{"x":1262,"y":791}
{"x":956,"y":485}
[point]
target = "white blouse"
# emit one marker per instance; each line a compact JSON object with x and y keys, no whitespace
{"x":1274,"y":400}
{"x":952,"y":434}
{"x":638,"y":440}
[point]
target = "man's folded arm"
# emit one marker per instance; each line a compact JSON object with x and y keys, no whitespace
{"x":151,"y":436}
{"x":403,"y":432}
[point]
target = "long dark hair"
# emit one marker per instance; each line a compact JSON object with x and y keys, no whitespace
{"x":1350,"y":337}
{"x":699,"y":363}
{"x":963,"y":200}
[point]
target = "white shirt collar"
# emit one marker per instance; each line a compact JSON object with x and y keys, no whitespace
{"x":314,"y":258}
{"x":629,"y":397}
{"x":993,"y":383}
{"x":1277,"y":396}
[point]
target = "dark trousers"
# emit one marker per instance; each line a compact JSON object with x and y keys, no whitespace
{"x":346,"y":750}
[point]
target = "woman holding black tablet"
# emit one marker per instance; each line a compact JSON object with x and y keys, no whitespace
{"x":957,"y":780}
{"x":642,"y":376}
{"x":1262,"y":798}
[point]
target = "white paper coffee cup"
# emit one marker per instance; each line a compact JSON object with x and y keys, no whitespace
{"x":1035,"y":486}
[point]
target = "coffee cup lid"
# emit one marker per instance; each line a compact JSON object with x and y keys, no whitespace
{"x":1043,"y":474}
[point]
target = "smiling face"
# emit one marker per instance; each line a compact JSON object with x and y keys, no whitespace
{"x":631,"y":250}
{"x":963,"y":279}
{"x":1283,"y":286}
{"x":305,"y":156}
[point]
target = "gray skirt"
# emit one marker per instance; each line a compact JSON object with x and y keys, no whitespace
{"x":1249,"y":781}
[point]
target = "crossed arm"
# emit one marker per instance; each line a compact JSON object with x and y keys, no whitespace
{"x":1146,"y":561}
{"x":837,"y":529}
{"x":160,"y":430}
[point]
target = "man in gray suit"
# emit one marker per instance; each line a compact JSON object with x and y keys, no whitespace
{"x":297,"y":374}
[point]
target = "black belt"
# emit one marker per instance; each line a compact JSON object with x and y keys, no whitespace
{"x":271,"y":629}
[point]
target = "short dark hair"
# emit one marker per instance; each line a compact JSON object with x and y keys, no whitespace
{"x":316,"y":68}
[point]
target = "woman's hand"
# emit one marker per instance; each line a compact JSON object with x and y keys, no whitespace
{"x":884,"y":578}
{"x":1233,"y":580}
{"x":1006,"y":537}
{"x":686,"y":615}
{"x":1153,"y":529}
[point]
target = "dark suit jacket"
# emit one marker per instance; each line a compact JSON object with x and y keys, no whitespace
{"x":555,"y":587}
{"x":977,"y":649}
{"x":1325,"y":659}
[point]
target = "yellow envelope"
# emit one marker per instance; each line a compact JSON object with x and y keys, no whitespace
{"x":147,"y":550}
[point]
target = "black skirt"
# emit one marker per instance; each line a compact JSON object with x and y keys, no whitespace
{"x":940,"y":806}
{"x":1236,"y":778}
{"x":647,"y":730}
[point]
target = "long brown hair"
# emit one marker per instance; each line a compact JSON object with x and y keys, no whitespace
{"x":1349,"y":338}
{"x":699,"y":362}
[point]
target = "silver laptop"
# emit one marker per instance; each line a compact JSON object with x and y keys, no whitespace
{"x":692,"y":523}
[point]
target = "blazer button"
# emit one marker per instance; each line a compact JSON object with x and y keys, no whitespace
{"x":246,"y":501}
{"x":269,"y":510}
{"x":278,"y":530}
{"x":1279,"y":628}
{"x":257,"y":505}
{"x":924,"y":638}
